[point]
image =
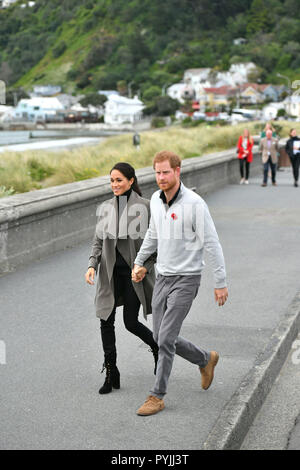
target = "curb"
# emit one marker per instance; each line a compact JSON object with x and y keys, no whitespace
{"x":235,"y":420}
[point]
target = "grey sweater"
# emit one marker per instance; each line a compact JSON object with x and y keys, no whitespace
{"x":180,"y":234}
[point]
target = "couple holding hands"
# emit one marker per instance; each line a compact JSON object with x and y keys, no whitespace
{"x":175,"y":228}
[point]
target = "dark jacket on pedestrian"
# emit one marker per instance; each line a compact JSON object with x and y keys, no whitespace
{"x":126,"y":233}
{"x":291,"y":147}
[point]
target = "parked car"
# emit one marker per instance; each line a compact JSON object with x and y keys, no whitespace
{"x":180,"y":115}
{"x":198,"y":115}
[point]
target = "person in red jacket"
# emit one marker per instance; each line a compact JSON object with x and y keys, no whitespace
{"x":245,"y":144}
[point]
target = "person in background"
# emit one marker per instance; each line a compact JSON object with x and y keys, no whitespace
{"x":245,"y":156}
{"x":268,"y":126}
{"x":269,"y":148}
{"x":123,"y":223}
{"x":292,"y":148}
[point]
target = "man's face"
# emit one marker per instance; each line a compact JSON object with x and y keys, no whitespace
{"x":269,"y":134}
{"x":166,"y":177}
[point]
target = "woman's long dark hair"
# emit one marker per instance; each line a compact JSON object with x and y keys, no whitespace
{"x":128,"y":171}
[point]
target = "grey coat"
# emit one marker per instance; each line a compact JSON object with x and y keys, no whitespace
{"x":128,"y":233}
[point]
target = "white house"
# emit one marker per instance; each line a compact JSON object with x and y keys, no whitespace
{"x":292,"y":105}
{"x":195,"y":77}
{"x":46,"y":90}
{"x":181,"y":92}
{"x":7,"y":3}
{"x":37,"y":108}
{"x":120,"y":110}
{"x":6,"y":113}
{"x":270,"y":111}
{"x":107,"y":93}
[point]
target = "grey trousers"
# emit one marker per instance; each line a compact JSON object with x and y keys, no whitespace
{"x":172,"y":299}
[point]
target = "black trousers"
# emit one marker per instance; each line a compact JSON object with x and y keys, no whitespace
{"x":295,"y":161}
{"x":243,"y":162}
{"x":266,"y":170}
{"x":123,"y":285}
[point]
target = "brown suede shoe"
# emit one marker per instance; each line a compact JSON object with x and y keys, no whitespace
{"x":151,"y":406}
{"x":207,"y":372}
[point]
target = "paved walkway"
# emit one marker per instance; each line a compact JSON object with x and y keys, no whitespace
{"x":49,"y":386}
{"x":277,"y":425}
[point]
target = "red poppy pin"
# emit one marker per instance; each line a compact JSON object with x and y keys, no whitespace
{"x":174,"y":216}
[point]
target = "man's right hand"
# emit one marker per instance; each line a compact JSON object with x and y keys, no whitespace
{"x":90,"y":276}
{"x":138,"y":273}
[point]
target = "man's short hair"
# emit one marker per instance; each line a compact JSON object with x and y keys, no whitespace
{"x":173,"y":159}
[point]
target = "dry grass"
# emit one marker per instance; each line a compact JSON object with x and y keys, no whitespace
{"x":55,"y":168}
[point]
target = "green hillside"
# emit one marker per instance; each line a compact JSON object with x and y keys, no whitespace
{"x":104,"y":44}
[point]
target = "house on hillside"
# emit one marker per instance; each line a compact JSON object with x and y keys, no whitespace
{"x":120,"y":110}
{"x":292,"y":105}
{"x":7,"y":3}
{"x":45,"y":90}
{"x":215,"y":97}
{"x":251,"y":93}
{"x":37,"y":109}
{"x":196,"y":77}
{"x":107,"y":93}
{"x":181,"y":92}
{"x":239,"y":41}
{"x":273,"y":92}
{"x":68,"y":101}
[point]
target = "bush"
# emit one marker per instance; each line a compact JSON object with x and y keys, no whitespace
{"x":59,"y":49}
{"x":151,"y":93}
{"x":5,"y":192}
{"x":158,"y":122}
{"x":39,"y":171}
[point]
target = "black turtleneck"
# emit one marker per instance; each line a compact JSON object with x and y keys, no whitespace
{"x":120,"y":261}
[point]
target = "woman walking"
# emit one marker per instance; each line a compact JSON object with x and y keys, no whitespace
{"x":122,"y":225}
{"x":292,"y":148}
{"x":245,"y":156}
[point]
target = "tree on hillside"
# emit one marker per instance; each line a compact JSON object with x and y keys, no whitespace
{"x":258,"y":17}
{"x":94,"y":99}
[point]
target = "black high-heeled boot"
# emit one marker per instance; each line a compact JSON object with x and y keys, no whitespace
{"x":112,"y":379}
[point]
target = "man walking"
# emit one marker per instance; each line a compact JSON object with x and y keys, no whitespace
{"x":269,"y":149}
{"x":180,"y":229}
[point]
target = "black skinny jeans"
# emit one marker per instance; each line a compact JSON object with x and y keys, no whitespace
{"x":243,"y":161}
{"x":295,"y":161}
{"x":123,"y":286}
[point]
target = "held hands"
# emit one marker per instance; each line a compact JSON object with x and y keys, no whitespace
{"x":90,"y":276}
{"x":138,"y":273}
{"x":221,"y":296}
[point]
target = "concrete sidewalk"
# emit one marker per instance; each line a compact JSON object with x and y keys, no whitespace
{"x":49,"y":386}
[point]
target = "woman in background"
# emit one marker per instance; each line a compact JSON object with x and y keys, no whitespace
{"x":268,"y":126}
{"x":292,"y":148}
{"x":245,"y":155}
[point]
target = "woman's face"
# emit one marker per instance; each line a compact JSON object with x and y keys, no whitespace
{"x":293,"y":133}
{"x":246,"y":133}
{"x":119,"y":183}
